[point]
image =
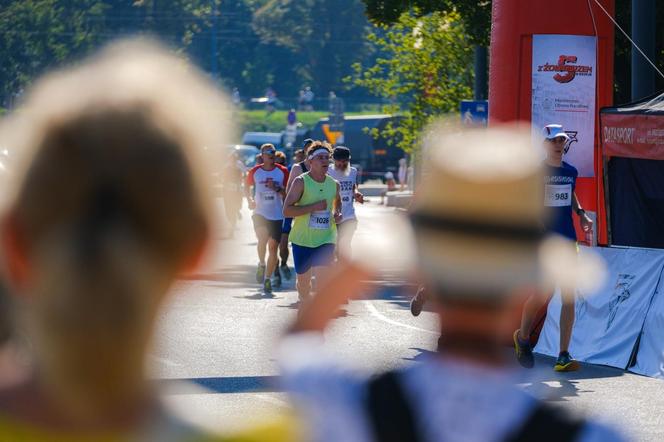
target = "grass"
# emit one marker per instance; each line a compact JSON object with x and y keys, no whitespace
{"x":260,"y":121}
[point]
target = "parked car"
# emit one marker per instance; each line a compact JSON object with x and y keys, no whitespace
{"x":246,"y":153}
{"x":257,"y":139}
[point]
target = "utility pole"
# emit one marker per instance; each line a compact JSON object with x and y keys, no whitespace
{"x":643,"y":34}
{"x":214,"y":32}
{"x":481,"y":83}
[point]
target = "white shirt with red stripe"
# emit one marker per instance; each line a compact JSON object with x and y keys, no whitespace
{"x":269,"y":203}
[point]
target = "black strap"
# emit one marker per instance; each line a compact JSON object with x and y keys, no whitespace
{"x":304,"y":167}
{"x":389,"y":412}
{"x":392,"y":418}
{"x":548,"y":423}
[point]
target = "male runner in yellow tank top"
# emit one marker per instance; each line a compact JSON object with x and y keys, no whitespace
{"x":314,"y":203}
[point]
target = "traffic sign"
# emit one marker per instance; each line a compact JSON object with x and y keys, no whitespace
{"x":475,"y":113}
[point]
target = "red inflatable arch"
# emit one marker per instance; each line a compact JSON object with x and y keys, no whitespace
{"x":514,"y":22}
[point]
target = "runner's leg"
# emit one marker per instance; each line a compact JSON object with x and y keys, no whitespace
{"x":346,"y":231}
{"x":273,"y":248}
{"x":566,"y":322}
{"x":262,"y":236}
{"x":530,"y":309}
{"x":283,"y":249}
{"x":303,"y":285}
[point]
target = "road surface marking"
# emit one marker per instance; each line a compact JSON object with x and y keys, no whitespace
{"x":164,"y":361}
{"x":375,"y":313}
{"x":271,"y":399}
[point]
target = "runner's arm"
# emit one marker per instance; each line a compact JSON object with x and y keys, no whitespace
{"x":294,"y":195}
{"x":337,"y":205}
{"x":359,"y":197}
{"x":584,"y":219}
{"x":248,"y":189}
{"x":295,"y":172}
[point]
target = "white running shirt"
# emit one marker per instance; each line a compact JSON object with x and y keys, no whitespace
{"x":346,"y":192}
{"x":269,"y":203}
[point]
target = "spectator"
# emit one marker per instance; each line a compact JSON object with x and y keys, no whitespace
{"x":403,"y":174}
{"x":391,"y":186}
{"x":479,"y":262}
{"x":118,"y":140}
{"x":308,"y":98}
{"x":237,"y":100}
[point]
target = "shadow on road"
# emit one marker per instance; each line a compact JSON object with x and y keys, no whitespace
{"x":217,"y":385}
{"x":558,"y":387}
{"x":421,"y":355}
{"x":243,"y":274}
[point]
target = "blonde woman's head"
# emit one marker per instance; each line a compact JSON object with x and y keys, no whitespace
{"x":109,"y":203}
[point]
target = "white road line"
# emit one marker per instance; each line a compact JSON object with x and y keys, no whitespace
{"x":164,"y":361}
{"x":271,"y":399}
{"x":375,"y":313}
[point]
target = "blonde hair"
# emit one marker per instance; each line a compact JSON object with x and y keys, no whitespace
{"x":111,"y":200}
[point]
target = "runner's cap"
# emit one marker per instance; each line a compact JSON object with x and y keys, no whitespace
{"x":551,"y":131}
{"x":341,"y":153}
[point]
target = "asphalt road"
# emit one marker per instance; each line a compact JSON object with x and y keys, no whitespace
{"x":214,"y":353}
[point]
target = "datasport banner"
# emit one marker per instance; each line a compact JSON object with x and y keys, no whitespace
{"x":563,"y":92}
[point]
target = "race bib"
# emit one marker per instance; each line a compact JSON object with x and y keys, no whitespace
{"x":346,"y":199}
{"x":319,"y":220}
{"x":557,"y":195}
{"x":269,"y":196}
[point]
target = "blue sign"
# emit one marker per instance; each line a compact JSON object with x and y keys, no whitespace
{"x":475,"y":113}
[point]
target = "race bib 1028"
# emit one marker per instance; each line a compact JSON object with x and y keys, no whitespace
{"x":319,"y":220}
{"x":558,"y":195}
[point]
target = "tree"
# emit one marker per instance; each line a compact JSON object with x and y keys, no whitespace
{"x":36,"y":35}
{"x":423,"y":72}
{"x":476,"y":14}
{"x":324,"y":37}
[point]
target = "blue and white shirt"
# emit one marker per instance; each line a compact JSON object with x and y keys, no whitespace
{"x":453,"y":401}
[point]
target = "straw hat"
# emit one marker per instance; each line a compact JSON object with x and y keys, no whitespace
{"x":478,"y":215}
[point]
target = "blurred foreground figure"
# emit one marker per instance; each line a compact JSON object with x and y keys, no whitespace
{"x":109,"y":205}
{"x":481,"y":251}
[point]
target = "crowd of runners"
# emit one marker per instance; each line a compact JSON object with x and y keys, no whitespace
{"x":310,"y":206}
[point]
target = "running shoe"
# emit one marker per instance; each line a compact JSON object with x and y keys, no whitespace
{"x":524,"y":354}
{"x":286,"y":272}
{"x":565,"y":362}
{"x":417,"y":303}
{"x":260,"y":273}
{"x":267,"y":286}
{"x":277,"y":280}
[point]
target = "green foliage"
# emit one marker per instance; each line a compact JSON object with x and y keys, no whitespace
{"x":260,"y":120}
{"x":425,"y":71}
{"x":476,"y":14}
{"x":324,"y":37}
{"x":36,"y":35}
{"x":248,"y":44}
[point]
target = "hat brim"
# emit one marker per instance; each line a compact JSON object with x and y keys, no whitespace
{"x":559,"y":135}
{"x":499,"y":267}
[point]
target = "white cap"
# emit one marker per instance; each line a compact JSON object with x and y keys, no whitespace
{"x":389,"y":176}
{"x":551,"y":131}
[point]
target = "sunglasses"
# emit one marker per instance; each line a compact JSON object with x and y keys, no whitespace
{"x":270,"y":151}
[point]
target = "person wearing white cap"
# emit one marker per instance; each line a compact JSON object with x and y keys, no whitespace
{"x":346,"y":176}
{"x":560,"y":200}
{"x":479,"y":247}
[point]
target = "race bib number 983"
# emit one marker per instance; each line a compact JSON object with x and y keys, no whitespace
{"x":558,"y":195}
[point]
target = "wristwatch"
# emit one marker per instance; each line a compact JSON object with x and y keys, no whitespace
{"x":580,"y":212}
